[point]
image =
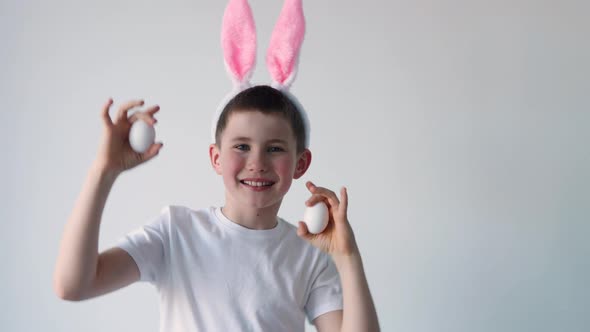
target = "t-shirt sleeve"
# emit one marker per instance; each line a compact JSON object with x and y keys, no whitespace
{"x":147,"y":246}
{"x":326,"y":291}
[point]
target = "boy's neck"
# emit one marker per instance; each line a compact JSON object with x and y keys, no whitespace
{"x":252,"y":218}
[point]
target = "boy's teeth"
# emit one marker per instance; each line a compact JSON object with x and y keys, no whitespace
{"x":257,"y":184}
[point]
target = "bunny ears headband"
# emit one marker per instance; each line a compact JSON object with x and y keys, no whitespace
{"x":238,"y":41}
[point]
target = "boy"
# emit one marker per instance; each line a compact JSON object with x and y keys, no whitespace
{"x":234,"y":268}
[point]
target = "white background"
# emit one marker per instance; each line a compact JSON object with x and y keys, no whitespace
{"x":461,"y":129}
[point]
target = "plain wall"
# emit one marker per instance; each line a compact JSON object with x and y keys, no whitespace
{"x":461,"y":129}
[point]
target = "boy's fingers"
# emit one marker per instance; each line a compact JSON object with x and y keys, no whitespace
{"x":142,"y":116}
{"x":329,"y":194}
{"x":344,"y":200}
{"x":152,"y":110}
{"x":122,"y":114}
{"x":147,"y":115}
{"x":314,"y":199}
{"x":105,"y":112}
{"x":152,"y":151}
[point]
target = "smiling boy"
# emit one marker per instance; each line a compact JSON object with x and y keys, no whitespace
{"x":234,"y":268}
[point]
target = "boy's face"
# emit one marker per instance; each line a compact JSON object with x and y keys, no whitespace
{"x":257,"y":158}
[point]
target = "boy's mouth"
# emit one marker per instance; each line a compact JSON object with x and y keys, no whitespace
{"x":257,"y":183}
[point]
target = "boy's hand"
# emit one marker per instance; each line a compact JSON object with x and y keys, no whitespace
{"x":115,"y":153}
{"x":337,"y":239}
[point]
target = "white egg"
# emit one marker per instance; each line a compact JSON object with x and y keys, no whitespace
{"x":141,"y":136}
{"x":316,"y":217}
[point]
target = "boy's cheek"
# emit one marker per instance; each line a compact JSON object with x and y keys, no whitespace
{"x":286,"y":168}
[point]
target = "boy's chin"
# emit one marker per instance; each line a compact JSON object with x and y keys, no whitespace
{"x":258,"y":200}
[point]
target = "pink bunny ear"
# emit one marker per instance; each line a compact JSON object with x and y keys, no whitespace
{"x":238,"y":41}
{"x":283,"y":52}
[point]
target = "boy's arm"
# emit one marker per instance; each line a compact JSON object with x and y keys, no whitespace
{"x":80,"y":272}
{"x":338,"y":240}
{"x":359,"y":312}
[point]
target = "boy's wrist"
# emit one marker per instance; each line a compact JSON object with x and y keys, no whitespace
{"x":353,"y":257}
{"x":100,"y":168}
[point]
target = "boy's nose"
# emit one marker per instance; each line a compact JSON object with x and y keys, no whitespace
{"x":257,"y":163}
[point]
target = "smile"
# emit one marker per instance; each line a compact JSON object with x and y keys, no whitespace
{"x":256,"y":183}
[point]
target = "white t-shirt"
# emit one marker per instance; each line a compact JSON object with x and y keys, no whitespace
{"x":215,"y":275}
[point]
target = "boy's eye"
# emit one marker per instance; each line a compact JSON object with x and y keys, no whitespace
{"x":246,"y":147}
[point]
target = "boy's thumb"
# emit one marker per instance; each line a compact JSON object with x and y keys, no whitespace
{"x":303,"y":232}
{"x":153,"y":150}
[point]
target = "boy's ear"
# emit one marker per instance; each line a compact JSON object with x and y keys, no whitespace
{"x":303,"y":163}
{"x":214,"y":157}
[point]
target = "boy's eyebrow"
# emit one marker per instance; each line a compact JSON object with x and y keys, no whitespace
{"x":247,"y":139}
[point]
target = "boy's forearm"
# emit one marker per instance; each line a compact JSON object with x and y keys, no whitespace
{"x":359,"y":311}
{"x":78,"y":253}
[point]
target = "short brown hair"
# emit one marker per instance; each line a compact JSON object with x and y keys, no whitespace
{"x":267,"y":100}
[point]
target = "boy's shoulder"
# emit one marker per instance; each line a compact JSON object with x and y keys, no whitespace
{"x":173,"y":216}
{"x":182,"y":211}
